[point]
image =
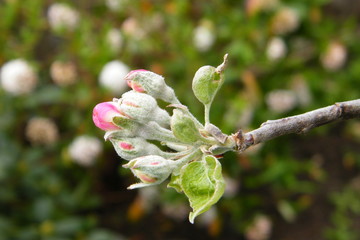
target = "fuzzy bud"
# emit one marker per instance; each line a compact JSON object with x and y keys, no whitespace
{"x":103,"y":115}
{"x":130,"y":148}
{"x":151,"y":83}
{"x":111,"y":76}
{"x":62,"y":17}
{"x":18,"y":77}
{"x":151,"y":170}
{"x":206,"y":83}
{"x":184,"y":128}
{"x":143,"y":108}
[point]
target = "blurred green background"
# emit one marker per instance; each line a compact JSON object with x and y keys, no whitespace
{"x":58,"y":59}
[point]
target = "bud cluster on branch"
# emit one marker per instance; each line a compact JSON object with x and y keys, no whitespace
{"x":135,"y":122}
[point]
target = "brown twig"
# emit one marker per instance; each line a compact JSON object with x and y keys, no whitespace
{"x":301,"y":123}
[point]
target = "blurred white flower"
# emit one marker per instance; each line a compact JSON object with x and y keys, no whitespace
{"x":254,"y":6}
{"x":203,"y":37}
{"x":334,"y":57}
{"x":85,"y":149}
{"x":301,"y":89}
{"x":231,"y":187}
{"x":260,"y":229}
{"x":176,"y":211}
{"x":41,"y":131}
{"x":285,"y":21}
{"x":132,"y":28}
{"x":115,"y":39}
{"x":280,"y":101}
{"x":62,"y":16}
{"x":18,"y":77}
{"x":207,"y":217}
{"x":276,"y":49}
{"x":148,"y":197}
{"x":115,"y":5}
{"x":112,"y":76}
{"x":63,"y":73}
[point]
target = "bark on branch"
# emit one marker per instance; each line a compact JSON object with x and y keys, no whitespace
{"x":298,"y":124}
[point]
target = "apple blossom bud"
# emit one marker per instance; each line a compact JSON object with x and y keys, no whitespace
{"x":151,"y":83}
{"x":206,"y":83}
{"x":151,"y":170}
{"x":103,"y":114}
{"x":143,"y":108}
{"x":130,"y":148}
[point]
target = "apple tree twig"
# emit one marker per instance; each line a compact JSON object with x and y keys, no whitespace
{"x":301,"y":123}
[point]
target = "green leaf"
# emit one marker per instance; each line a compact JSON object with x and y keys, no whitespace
{"x":184,"y":128}
{"x":206,"y":83}
{"x":202,"y":183}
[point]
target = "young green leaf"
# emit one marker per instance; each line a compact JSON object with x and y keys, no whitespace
{"x":202,"y":183}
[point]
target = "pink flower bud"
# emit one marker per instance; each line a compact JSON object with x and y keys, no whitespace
{"x":103,"y":114}
{"x":130,"y":148}
{"x":144,"y":81}
{"x":136,"y":87}
{"x":142,"y":108}
{"x":151,"y":170}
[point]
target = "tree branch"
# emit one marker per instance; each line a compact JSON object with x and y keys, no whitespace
{"x":298,"y":124}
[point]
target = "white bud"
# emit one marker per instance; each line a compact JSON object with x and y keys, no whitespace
{"x":62,"y":17}
{"x":112,"y":76}
{"x":334,"y":57}
{"x":18,"y":77}
{"x":285,"y":21}
{"x":41,"y":131}
{"x":130,"y":148}
{"x":280,"y":101}
{"x":204,"y":37}
{"x":276,"y":49}
{"x":143,"y":108}
{"x":84,"y":150}
{"x":114,"y":39}
{"x":116,"y":5}
{"x":63,"y":73}
{"x":260,"y":228}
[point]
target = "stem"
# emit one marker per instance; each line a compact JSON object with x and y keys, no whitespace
{"x":207,"y":113}
{"x":298,"y":124}
{"x":190,"y":157}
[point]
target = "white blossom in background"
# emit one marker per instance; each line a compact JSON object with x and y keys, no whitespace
{"x":334,"y":57}
{"x":204,"y":36}
{"x":177,"y":211}
{"x":112,"y":76}
{"x":301,"y":89}
{"x":114,"y":39}
{"x":148,"y":197}
{"x":132,"y":28}
{"x":255,"y":6}
{"x":207,"y":217}
{"x":285,"y":21}
{"x":85,"y":149}
{"x":62,"y":17}
{"x":115,"y":5}
{"x":41,"y":131}
{"x":63,"y":73}
{"x":280,"y":100}
{"x":18,"y":77}
{"x":260,"y":229}
{"x":231,"y":187}
{"x":276,"y":49}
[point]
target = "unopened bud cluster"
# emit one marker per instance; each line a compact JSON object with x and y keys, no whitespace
{"x":135,"y":119}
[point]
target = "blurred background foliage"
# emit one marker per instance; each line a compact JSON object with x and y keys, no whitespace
{"x":58,"y":59}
